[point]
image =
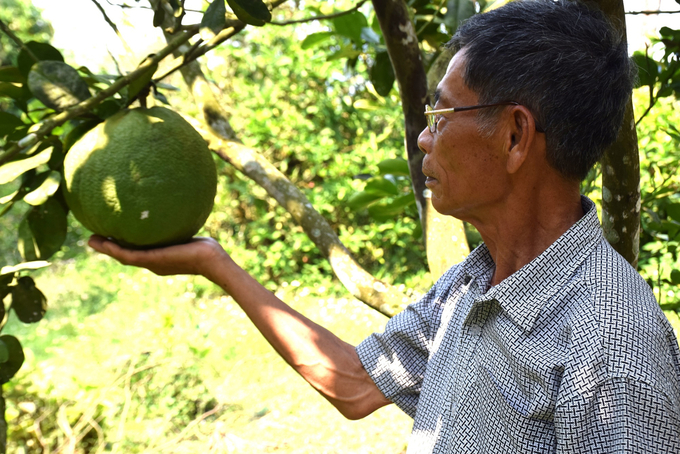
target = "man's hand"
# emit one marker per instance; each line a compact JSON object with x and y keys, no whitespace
{"x":198,"y":256}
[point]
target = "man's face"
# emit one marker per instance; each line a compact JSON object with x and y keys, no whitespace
{"x":465,"y":170}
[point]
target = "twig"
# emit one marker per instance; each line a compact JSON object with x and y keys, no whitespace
{"x":125,"y":5}
{"x":16,"y":39}
{"x":179,"y":62}
{"x":38,"y":430}
{"x":40,"y":130}
{"x":652,"y":101}
{"x":113,"y":26}
{"x":115,"y":61}
{"x":189,"y":427}
{"x":651,"y":12}
{"x":330,"y":16}
{"x":439,"y":8}
{"x":126,"y":406}
{"x":232,"y":27}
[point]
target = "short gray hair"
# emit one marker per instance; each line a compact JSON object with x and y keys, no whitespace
{"x":562,"y":60}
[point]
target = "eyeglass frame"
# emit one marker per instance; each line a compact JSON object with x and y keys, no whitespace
{"x":432,"y":123}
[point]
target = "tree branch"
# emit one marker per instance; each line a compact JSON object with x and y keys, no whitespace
{"x":113,"y":26}
{"x":382,"y":297}
{"x":330,"y":16}
{"x":195,"y":52}
{"x":125,"y":5}
{"x":649,"y":13}
{"x":40,"y":130}
{"x":16,"y":39}
{"x":232,"y":27}
{"x":402,"y":47}
{"x":222,"y":140}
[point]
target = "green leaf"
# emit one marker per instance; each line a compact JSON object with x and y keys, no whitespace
{"x":56,"y":161}
{"x":315,"y":39}
{"x":417,"y":231}
{"x":137,"y":85}
{"x":458,"y":11}
{"x":16,"y":358}
{"x":396,"y":166}
{"x":34,"y":265}
{"x":675,"y":277}
{"x":12,"y":170}
{"x":9,"y":197}
{"x":11,"y":74}
{"x":362,"y":199}
{"x":28,"y":302}
{"x":57,"y":85}
{"x":5,"y":289}
{"x":8,"y":123}
{"x":214,"y":20}
{"x":159,"y":15}
{"x":673,"y":211}
{"x":386,"y":211}
{"x":79,"y":131}
{"x":161,"y":97}
{"x":108,"y":108}
{"x":382,"y":74}
{"x":42,"y":231}
{"x":42,"y":51}
{"x":4,"y":351}
{"x":50,"y":184}
{"x":368,"y":35}
{"x":253,"y":12}
{"x":8,"y":90}
{"x":648,"y":69}
{"x":382,"y":186}
{"x":351,"y":25}
{"x":347,"y":51}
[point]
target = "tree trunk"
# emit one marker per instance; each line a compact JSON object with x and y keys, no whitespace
{"x":402,"y":47}
{"x":3,"y":422}
{"x":621,"y":170}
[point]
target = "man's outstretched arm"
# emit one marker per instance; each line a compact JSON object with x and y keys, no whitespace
{"x":328,"y":363}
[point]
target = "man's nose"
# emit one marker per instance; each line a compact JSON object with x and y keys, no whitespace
{"x":424,"y":140}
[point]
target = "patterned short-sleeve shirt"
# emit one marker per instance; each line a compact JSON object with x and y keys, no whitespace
{"x":570,"y":354}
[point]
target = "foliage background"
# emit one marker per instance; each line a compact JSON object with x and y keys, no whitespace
{"x":128,"y":362}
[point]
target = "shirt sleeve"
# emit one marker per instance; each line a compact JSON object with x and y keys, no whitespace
{"x":396,"y":359}
{"x":622,"y":415}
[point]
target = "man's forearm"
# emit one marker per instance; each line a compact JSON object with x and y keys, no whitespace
{"x":325,"y":361}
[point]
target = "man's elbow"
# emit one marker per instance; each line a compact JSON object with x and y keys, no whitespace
{"x":361,"y":407}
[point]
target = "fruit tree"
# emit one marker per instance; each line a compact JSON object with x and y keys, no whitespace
{"x":52,"y":109}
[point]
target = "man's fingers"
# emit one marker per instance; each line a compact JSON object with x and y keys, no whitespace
{"x":108,"y":247}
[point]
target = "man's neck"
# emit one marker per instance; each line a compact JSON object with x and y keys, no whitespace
{"x":525,"y":228}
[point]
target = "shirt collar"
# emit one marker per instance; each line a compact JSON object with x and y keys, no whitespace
{"x":523,"y":294}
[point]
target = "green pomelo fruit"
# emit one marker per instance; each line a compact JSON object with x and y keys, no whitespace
{"x":144,"y":177}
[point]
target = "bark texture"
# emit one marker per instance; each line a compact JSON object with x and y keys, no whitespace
{"x":222,"y":140}
{"x":621,"y":171}
{"x":402,"y":47}
{"x":362,"y":285}
{"x":3,"y":423}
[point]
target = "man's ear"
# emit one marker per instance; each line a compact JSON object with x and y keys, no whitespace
{"x":522,"y":136}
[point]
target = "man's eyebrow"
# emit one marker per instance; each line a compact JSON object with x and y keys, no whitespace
{"x":437,"y":95}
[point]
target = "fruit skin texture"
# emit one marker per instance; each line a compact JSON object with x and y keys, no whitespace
{"x":144,"y":177}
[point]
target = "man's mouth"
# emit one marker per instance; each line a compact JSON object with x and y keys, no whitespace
{"x":429,"y":179}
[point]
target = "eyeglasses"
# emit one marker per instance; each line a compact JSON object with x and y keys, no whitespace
{"x":432,"y":120}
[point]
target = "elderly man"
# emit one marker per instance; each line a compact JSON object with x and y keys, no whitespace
{"x":544,"y":339}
